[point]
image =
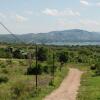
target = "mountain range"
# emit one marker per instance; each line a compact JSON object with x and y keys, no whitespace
{"x":73,"y":35}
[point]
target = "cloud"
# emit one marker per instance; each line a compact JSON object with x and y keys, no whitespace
{"x":13,"y":17}
{"x":92,"y":4}
{"x":20,"y":18}
{"x":64,"y":13}
{"x":84,"y":2}
{"x":51,"y":12}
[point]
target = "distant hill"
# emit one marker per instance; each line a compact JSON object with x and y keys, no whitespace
{"x":74,"y":35}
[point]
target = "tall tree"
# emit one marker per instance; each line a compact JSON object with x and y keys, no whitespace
{"x":63,"y":58}
{"x":42,"y":54}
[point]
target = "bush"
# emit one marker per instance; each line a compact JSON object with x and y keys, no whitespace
{"x":9,"y":62}
{"x":5,"y":71}
{"x":63,"y":57}
{"x":42,"y":54}
{"x":79,"y":60}
{"x":51,"y":83}
{"x":33,"y":70}
{"x":97,"y":68}
{"x":93,"y":67}
{"x":3,"y":79}
{"x":2,"y":65}
{"x":23,"y":90}
{"x":46,"y":69}
{"x":18,"y":89}
{"x":22,"y":63}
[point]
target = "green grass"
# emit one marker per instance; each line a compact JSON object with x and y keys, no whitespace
{"x":59,"y":76}
{"x":81,"y":66}
{"x":90,"y":87}
{"x":22,"y":87}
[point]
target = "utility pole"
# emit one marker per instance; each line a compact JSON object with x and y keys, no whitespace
{"x":29,"y":57}
{"x":36,"y":65}
{"x":53,"y":68}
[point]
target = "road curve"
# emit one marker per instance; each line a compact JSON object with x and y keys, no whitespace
{"x":68,"y":88}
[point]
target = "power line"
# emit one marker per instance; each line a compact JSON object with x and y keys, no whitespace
{"x":11,"y":33}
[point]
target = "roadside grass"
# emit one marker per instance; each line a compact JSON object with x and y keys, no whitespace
{"x":90,"y":87}
{"x":82,"y":66}
{"x":59,"y":76}
{"x":22,"y":87}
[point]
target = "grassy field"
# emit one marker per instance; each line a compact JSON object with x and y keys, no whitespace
{"x":16,"y":85}
{"x":90,"y":87}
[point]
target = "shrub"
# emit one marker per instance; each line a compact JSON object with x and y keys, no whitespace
{"x":93,"y":67}
{"x":63,"y":57}
{"x":79,"y":60}
{"x":97,"y":68}
{"x":5,"y":71}
{"x":42,"y":54}
{"x":3,"y":79}
{"x":33,"y":70}
{"x":9,"y":62}
{"x":22,"y":63}
{"x":51,"y":83}
{"x":2,"y":65}
{"x":17,"y":89}
{"x":23,"y":90}
{"x":46,"y":69}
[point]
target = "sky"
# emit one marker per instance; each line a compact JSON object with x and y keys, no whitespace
{"x":38,"y":16}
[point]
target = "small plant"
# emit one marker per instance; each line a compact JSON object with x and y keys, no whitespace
{"x":51,"y":83}
{"x":46,"y":69}
{"x":9,"y":62}
{"x":2,"y":65}
{"x":35,"y":92}
{"x":22,"y":63}
{"x":5,"y":71}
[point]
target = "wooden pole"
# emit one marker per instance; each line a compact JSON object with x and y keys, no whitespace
{"x":36,"y":66}
{"x":53,"y":67}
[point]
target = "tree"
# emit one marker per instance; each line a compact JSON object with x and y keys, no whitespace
{"x":17,"y":54}
{"x":63,"y":58}
{"x":35,"y":71}
{"x":42,"y":54}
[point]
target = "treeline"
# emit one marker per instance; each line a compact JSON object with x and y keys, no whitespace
{"x":78,"y":54}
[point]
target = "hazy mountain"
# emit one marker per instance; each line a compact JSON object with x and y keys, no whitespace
{"x":74,"y":35}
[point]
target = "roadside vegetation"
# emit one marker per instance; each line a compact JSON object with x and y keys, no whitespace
{"x":20,"y":65}
{"x":90,"y":84}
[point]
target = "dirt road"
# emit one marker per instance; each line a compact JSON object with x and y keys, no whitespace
{"x":69,"y":87}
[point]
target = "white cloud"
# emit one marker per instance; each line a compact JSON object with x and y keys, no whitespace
{"x":13,"y":17}
{"x":84,"y":2}
{"x":20,"y":18}
{"x":64,"y":13}
{"x":92,"y":4}
{"x":51,"y":12}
